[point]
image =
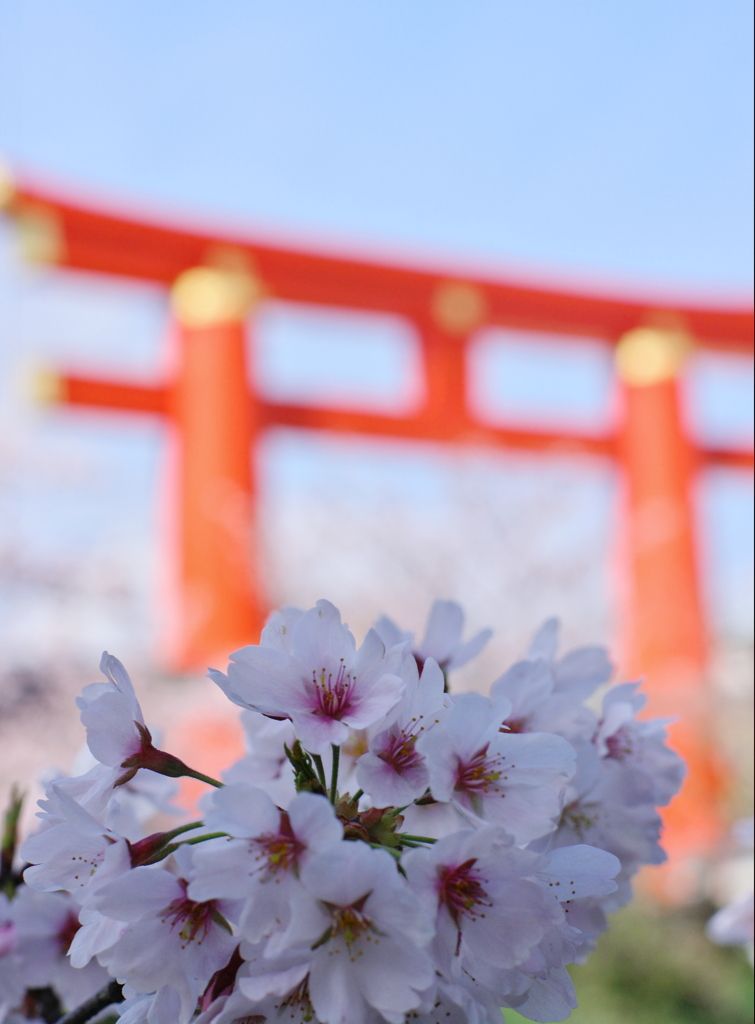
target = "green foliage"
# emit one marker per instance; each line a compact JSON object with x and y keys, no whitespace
{"x":658,"y":967}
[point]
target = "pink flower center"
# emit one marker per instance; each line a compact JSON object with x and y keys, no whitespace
{"x":67,"y":931}
{"x":349,"y":923}
{"x":400,"y":752}
{"x":280,"y":850}
{"x":514,"y":725}
{"x":460,"y":889}
{"x":480,"y":774}
{"x":222,"y":982}
{"x":195,"y":918}
{"x":333,"y":696}
{"x":620,"y":744}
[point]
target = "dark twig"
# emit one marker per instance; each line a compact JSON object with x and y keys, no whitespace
{"x":9,"y":840}
{"x":111,"y":993}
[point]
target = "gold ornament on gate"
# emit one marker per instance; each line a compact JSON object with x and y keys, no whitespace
{"x":651,"y":355}
{"x":208,"y":296}
{"x":459,"y":307}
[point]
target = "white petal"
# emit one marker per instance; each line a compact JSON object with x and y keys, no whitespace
{"x":443,"y":632}
{"x":314,"y":823}
{"x":464,"y":653}
{"x":549,"y":999}
{"x":582,"y":671}
{"x":437,"y":748}
{"x":575,"y":871}
{"x":526,"y":684}
{"x":266,"y":680}
{"x":389,"y":632}
{"x":240,"y":810}
{"x":374,"y":700}
{"x":278,"y":983}
{"x":391,"y":976}
{"x":141,"y":892}
{"x":319,"y":634}
{"x":334,"y":991}
{"x":279,"y":627}
{"x":545,"y":641}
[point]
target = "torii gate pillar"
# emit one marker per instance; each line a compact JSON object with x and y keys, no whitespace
{"x":214,"y":411}
{"x":665,"y":629}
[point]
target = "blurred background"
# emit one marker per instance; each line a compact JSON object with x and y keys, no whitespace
{"x":601,"y":146}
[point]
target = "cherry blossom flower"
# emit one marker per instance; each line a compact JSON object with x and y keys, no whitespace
{"x":364,"y":930}
{"x":579,"y":672}
{"x":537,"y":705}
{"x":485,"y":902}
{"x":76,"y":852}
{"x":488,"y":841}
{"x":393,"y":771}
{"x":112,"y":716}
{"x":116,"y":733}
{"x":320,"y":680}
{"x":614,"y":813}
{"x":262,"y":863}
{"x":500,"y":914}
{"x":442,"y":641}
{"x":36,"y":930}
{"x":515,"y":780}
{"x":638,"y":745}
{"x":194,"y":938}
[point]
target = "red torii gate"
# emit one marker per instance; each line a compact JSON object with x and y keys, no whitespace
{"x":215,"y":283}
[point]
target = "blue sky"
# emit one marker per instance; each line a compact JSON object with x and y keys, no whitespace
{"x":594,"y":138}
{"x":591,"y":141}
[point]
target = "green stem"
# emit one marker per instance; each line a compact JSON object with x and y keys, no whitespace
{"x":359,"y":793}
{"x":334,"y":773}
{"x":172,"y":847}
{"x":417,"y":839}
{"x":204,"y":778}
{"x":204,"y":838}
{"x":388,"y":849}
{"x":183,"y":828}
{"x":320,"y":770}
{"x":146,"y":849}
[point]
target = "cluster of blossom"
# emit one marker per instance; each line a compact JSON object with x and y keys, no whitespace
{"x":386,"y":851}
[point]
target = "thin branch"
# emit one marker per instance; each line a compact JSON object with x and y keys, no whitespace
{"x":111,"y":993}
